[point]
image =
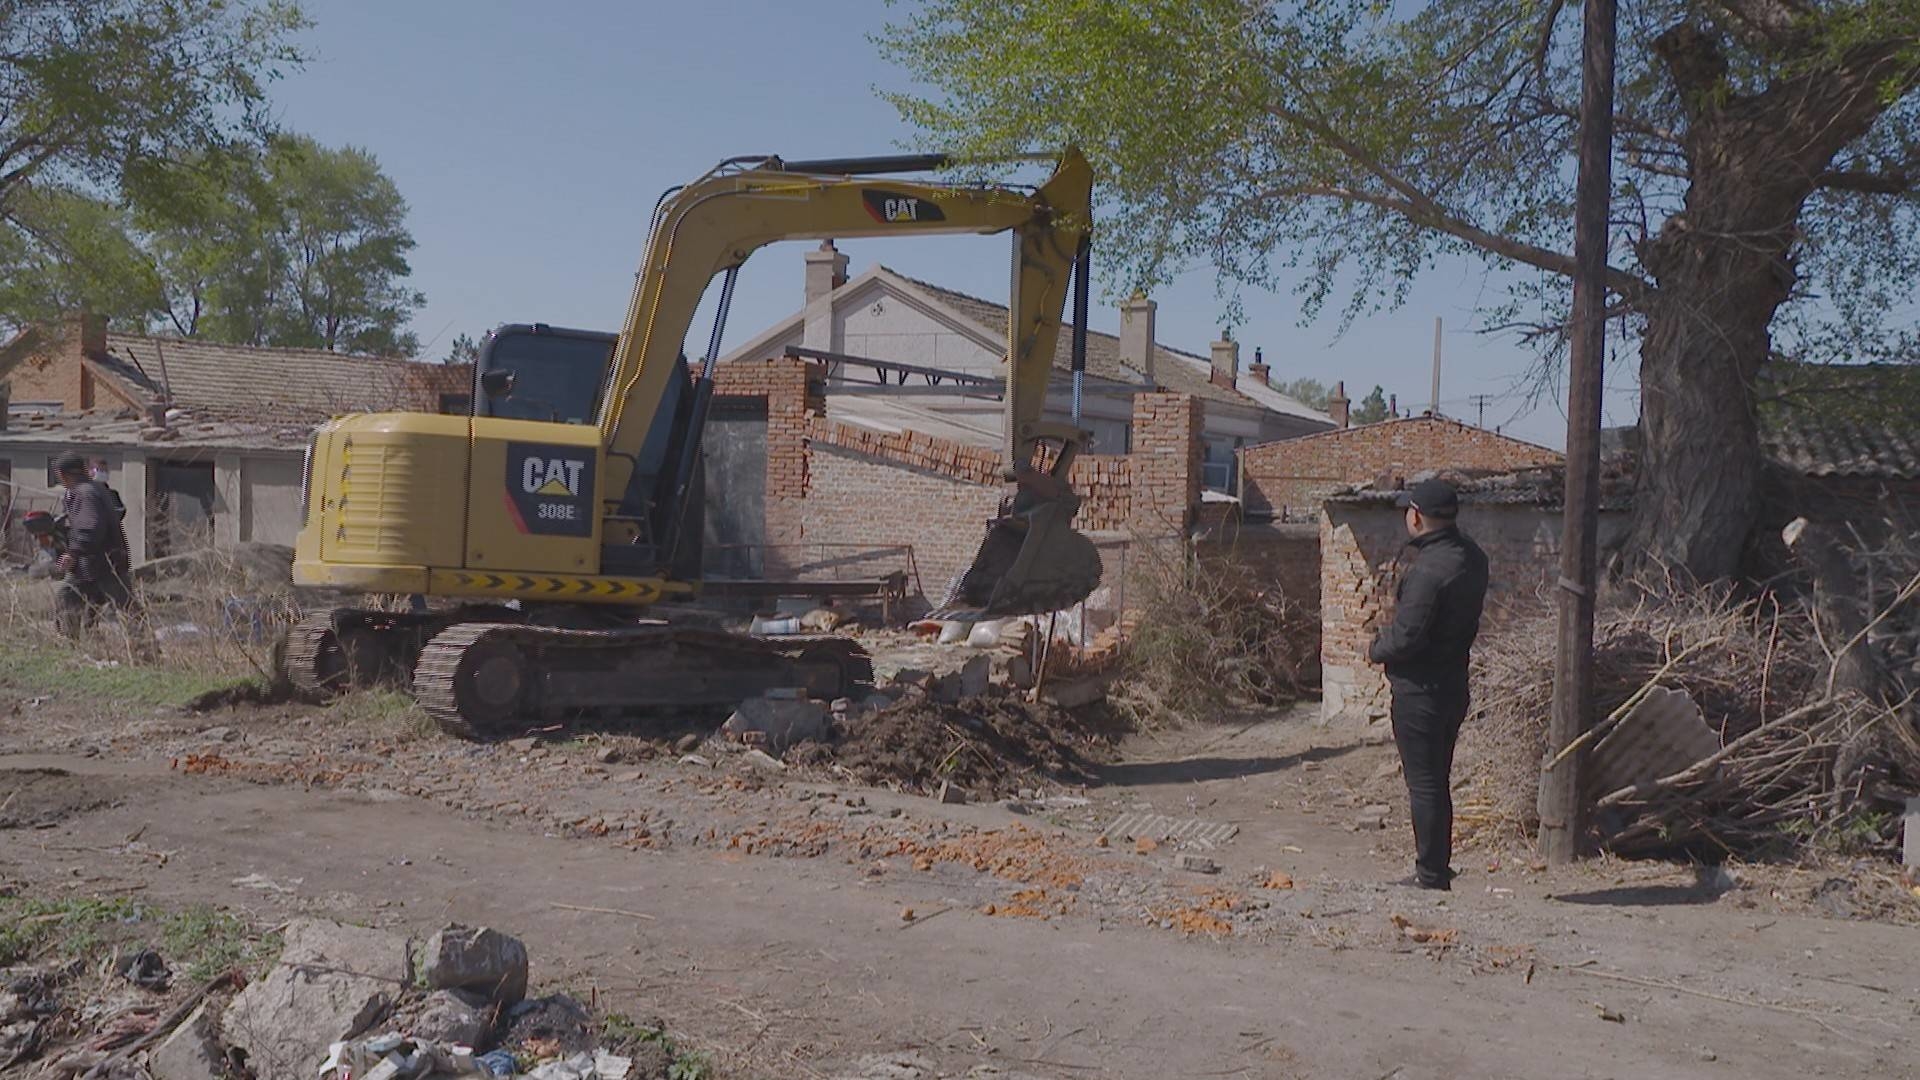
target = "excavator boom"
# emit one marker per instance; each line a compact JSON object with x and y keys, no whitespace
{"x":1030,"y":560}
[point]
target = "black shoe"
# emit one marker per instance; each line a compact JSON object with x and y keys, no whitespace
{"x":1414,"y":881}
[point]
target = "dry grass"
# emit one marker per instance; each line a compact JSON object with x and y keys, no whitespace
{"x":1761,"y":672}
{"x":1209,"y":636}
{"x":215,"y":623}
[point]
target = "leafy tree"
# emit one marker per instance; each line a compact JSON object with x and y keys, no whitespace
{"x":343,"y":231}
{"x":64,"y":251}
{"x":1767,"y":166}
{"x":464,"y":350}
{"x":1372,"y":408}
{"x":1310,"y":392}
{"x":297,"y":245}
{"x":98,"y":100}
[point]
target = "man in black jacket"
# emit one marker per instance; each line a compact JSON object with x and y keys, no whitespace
{"x":1436,"y":616}
{"x":95,"y":566}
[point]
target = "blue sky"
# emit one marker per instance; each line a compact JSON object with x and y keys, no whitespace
{"x":531,"y":141}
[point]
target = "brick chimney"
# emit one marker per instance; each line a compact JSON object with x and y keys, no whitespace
{"x":826,"y":270}
{"x":93,"y":334}
{"x":1137,"y":317}
{"x":1226,"y":361}
{"x":1259,"y":370}
{"x":1338,"y":407}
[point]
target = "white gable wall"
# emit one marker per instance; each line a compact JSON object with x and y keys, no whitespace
{"x":885,"y":326}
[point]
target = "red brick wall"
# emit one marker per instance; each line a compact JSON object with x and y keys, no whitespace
{"x":863,"y":500}
{"x":1298,"y":474}
{"x":835,"y":483}
{"x":1166,"y":462}
{"x":55,"y":371}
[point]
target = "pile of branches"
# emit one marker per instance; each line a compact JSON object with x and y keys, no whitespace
{"x":1813,"y":729}
{"x":1209,"y":635}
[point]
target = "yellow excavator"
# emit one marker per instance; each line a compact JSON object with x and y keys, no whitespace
{"x":571,"y":498}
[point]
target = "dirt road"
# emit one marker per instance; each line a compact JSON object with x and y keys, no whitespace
{"x":787,"y":953}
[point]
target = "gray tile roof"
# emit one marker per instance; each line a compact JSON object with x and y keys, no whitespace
{"x":246,"y":382}
{"x":1818,"y":446}
{"x":1172,"y":369}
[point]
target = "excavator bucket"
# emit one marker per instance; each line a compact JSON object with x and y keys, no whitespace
{"x":1030,"y":562}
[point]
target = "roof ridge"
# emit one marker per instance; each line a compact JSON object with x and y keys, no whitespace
{"x":292,"y":350}
{"x":1408,"y":420}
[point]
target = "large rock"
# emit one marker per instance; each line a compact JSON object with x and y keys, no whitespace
{"x":453,"y":1018}
{"x":779,"y":719}
{"x":190,"y":1053}
{"x":332,"y":983}
{"x":485,"y":961}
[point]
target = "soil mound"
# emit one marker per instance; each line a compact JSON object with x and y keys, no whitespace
{"x":989,"y":746}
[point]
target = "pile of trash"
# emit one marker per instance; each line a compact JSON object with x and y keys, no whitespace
{"x":341,"y":1003}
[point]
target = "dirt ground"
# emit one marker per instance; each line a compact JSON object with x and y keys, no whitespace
{"x":798,"y":923}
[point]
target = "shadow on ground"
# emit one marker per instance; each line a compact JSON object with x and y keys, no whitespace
{"x":1709,"y":884}
{"x":1188,"y":770}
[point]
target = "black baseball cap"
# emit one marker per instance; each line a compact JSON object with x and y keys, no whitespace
{"x":1434,"y":498}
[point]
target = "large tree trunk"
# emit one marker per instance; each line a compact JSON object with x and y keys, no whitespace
{"x":1721,"y":268}
{"x":1706,"y":340}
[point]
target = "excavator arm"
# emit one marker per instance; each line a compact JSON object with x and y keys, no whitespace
{"x":1030,"y":560}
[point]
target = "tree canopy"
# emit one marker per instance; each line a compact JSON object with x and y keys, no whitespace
{"x":101,"y":99}
{"x":1372,"y":409}
{"x":1767,"y":159}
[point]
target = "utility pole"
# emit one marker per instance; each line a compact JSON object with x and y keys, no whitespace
{"x":1562,"y":793}
{"x":1435,"y":410}
{"x":1480,"y":403}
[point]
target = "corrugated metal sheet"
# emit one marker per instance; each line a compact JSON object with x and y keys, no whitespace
{"x":1662,"y":735}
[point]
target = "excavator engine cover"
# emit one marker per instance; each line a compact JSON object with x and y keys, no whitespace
{"x":1030,"y":562}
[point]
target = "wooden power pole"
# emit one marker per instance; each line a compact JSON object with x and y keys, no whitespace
{"x":1562,"y":793}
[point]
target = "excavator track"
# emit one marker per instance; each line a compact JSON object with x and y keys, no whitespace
{"x":313,"y":663}
{"x":483,"y":679}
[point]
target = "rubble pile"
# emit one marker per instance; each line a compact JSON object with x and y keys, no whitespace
{"x":1723,"y":724}
{"x":986,"y":747}
{"x":341,"y":1003}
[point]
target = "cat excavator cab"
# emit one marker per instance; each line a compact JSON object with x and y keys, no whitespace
{"x":571,"y":498}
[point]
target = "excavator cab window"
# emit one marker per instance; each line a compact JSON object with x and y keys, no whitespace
{"x":540,"y":372}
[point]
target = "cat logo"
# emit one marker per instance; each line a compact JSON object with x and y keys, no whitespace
{"x":551,"y":476}
{"x":550,"y":489}
{"x":893,"y":208}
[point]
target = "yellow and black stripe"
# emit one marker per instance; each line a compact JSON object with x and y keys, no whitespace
{"x":557,"y":588}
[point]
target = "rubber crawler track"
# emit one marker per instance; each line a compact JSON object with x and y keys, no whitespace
{"x":434,"y":675}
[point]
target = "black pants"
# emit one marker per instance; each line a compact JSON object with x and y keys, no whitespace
{"x":1427,"y":714}
{"x":77,"y":604}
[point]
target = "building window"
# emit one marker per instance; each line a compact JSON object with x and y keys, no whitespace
{"x":1220,"y":465}
{"x":456,"y":404}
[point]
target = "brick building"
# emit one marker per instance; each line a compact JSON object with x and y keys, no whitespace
{"x":1289,"y":478}
{"x":948,"y":352}
{"x":203,"y":441}
{"x":810,"y":494}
